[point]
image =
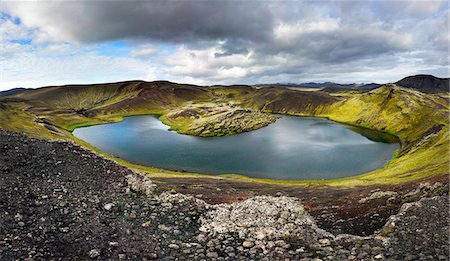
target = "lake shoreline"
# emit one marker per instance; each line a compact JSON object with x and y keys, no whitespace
{"x":285,"y":126}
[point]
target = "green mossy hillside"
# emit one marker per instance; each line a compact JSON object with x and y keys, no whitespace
{"x":420,"y":120}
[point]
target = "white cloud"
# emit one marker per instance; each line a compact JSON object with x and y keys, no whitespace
{"x":11,"y":31}
{"x":291,"y":32}
{"x":145,"y":51}
{"x":204,"y":63}
{"x":237,"y":42}
{"x":416,"y":9}
{"x":424,"y":8}
{"x":38,"y":69}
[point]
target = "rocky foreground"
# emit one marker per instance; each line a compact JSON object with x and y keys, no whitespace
{"x":59,"y":201}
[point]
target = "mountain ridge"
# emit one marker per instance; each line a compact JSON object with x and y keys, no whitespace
{"x":425,"y":83}
{"x":421,"y":82}
{"x":12,"y":91}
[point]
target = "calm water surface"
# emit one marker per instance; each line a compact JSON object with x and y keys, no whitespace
{"x":290,"y":148}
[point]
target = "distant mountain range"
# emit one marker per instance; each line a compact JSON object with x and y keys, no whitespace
{"x":324,"y":85}
{"x":422,"y":82}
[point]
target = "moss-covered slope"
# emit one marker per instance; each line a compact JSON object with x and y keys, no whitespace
{"x":419,"y":119}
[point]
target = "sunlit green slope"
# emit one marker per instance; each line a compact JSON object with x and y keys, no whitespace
{"x":419,"y":119}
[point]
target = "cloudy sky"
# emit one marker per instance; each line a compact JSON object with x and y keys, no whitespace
{"x":221,"y":42}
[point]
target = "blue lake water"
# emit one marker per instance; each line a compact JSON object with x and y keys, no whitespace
{"x":290,"y":148}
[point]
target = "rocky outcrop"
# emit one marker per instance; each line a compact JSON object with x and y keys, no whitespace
{"x":377,"y":195}
{"x":259,"y":218}
{"x":216,"y":119}
{"x":420,"y":230}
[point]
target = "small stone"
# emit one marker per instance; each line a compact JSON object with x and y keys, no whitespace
{"x":113,"y":243}
{"x":108,"y":206}
{"x":212,"y":255}
{"x":94,"y":253}
{"x":300,"y":250}
{"x":260,"y":236}
{"x":201,"y":238}
{"x":284,"y":215}
{"x":133,"y":215}
{"x":361,"y":255}
{"x":18,"y":217}
{"x":280,"y":243}
{"x":379,"y":256}
{"x":174,"y":246}
{"x":248,"y":244}
{"x":64,"y":229}
{"x":324,"y":241}
{"x":163,"y":227}
{"x":122,"y":256}
{"x":229,"y":249}
{"x":281,"y":221}
{"x":21,"y":224}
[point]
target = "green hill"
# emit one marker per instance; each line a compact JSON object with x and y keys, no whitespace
{"x":419,"y":119}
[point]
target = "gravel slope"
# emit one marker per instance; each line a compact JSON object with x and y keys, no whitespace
{"x":59,"y":201}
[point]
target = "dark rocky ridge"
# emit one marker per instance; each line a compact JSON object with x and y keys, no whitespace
{"x":59,"y":201}
{"x":425,"y":83}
